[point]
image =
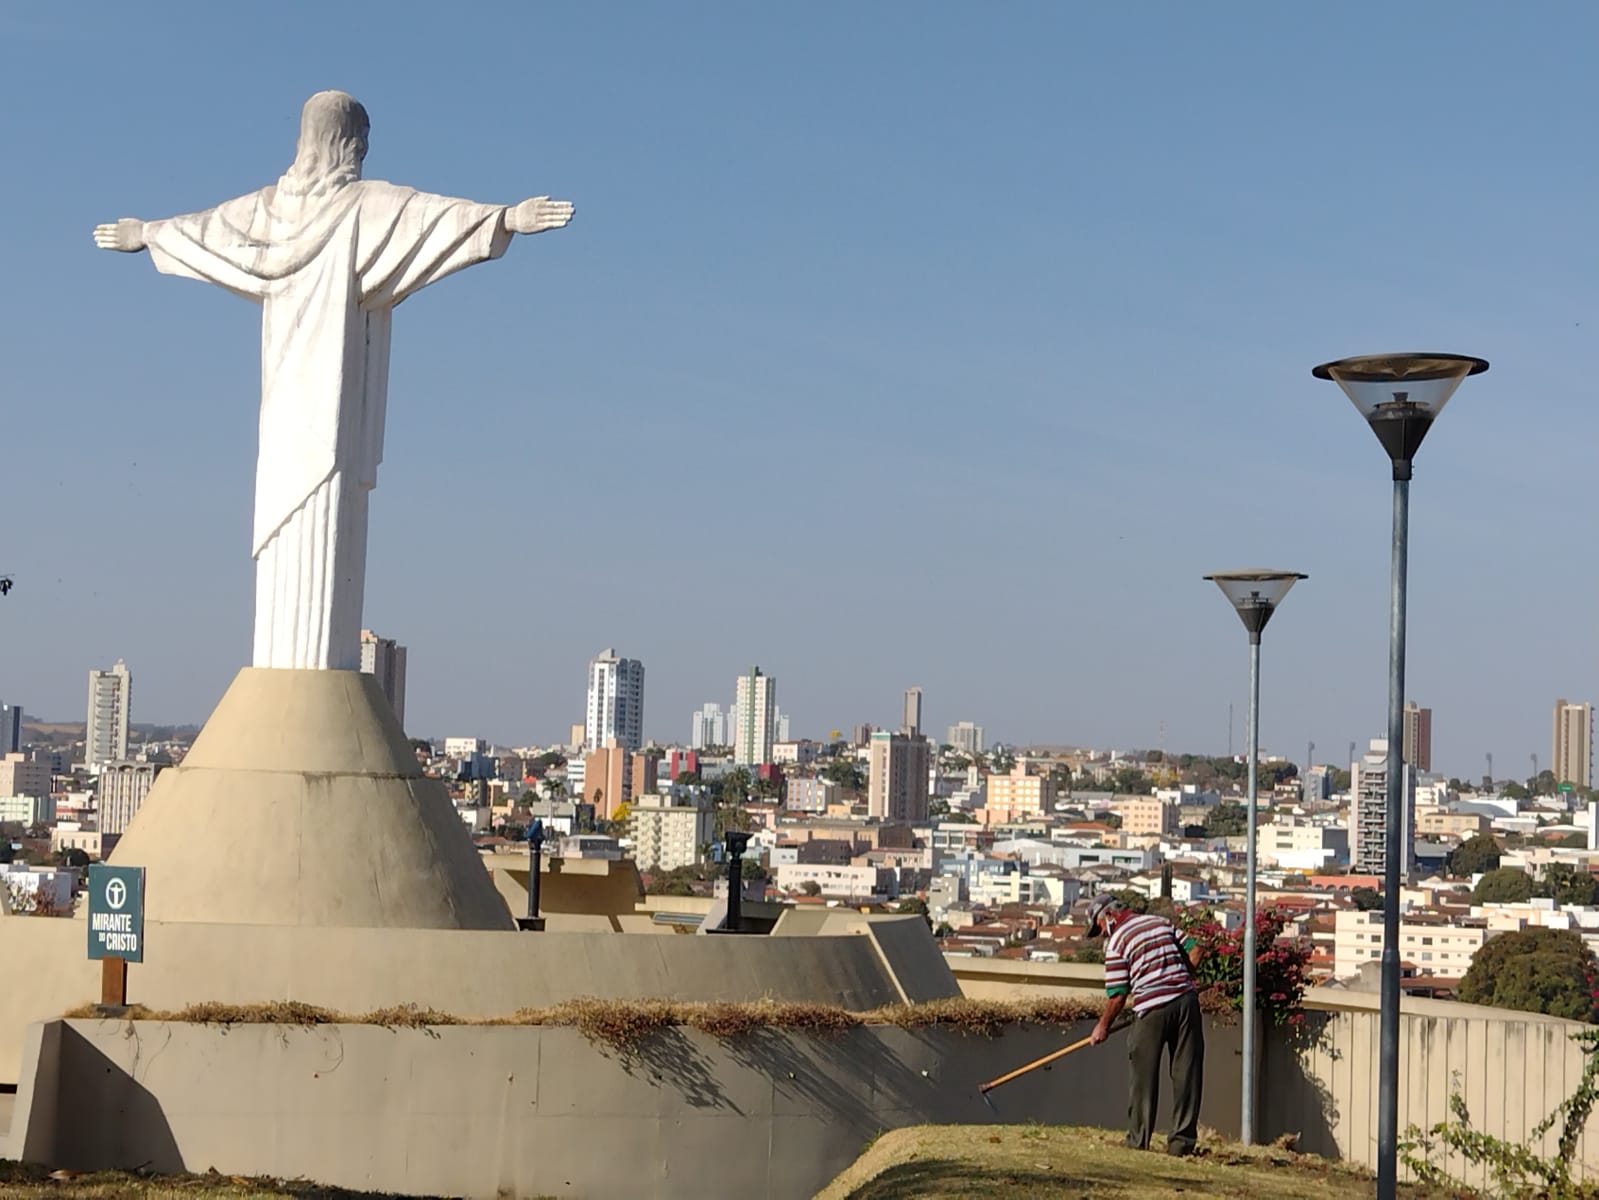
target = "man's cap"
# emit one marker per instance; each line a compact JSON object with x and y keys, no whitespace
{"x":1096,"y":911}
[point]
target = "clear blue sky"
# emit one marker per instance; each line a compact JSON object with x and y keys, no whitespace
{"x":893,"y":343}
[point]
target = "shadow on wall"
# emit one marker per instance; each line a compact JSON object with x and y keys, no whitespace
{"x":1294,"y":1099}
{"x":129,"y":1131}
{"x":871,"y":1080}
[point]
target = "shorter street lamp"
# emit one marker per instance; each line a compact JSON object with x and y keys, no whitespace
{"x":1255,"y":595}
{"x":535,"y":856}
{"x":736,"y":842}
{"x":1400,"y":396}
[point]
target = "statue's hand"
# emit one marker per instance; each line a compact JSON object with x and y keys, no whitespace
{"x":537,"y":215}
{"x":126,"y":235}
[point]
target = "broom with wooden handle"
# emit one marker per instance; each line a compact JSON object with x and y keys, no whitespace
{"x":984,"y":1088}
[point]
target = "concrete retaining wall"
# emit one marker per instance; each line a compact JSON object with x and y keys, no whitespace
{"x":1513,"y":1069}
{"x":486,"y":1111}
{"x":462,"y":972}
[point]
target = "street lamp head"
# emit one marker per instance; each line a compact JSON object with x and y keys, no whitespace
{"x":1400,"y":395}
{"x":1255,"y":594}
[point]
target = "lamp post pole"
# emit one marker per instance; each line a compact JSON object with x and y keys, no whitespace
{"x":1247,"y":1118}
{"x":1255,"y":595}
{"x":1400,"y":396}
{"x":535,"y":851}
{"x":1397,"y":850}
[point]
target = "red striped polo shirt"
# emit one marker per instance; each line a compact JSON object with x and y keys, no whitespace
{"x":1147,"y":958}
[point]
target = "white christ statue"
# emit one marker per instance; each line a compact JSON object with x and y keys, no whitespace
{"x":327,"y":255}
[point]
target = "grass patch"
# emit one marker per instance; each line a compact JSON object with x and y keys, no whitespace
{"x":626,"y":1023}
{"x":23,"y":1181}
{"x":1054,"y":1162}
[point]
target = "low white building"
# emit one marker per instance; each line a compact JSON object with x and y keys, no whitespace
{"x":669,"y":828}
{"x":23,"y":889}
{"x":573,"y":776}
{"x":796,"y":753}
{"x":861,"y":885}
{"x":1073,"y":856}
{"x":1295,"y":844}
{"x":997,"y":887}
{"x":1432,"y":946}
{"x":476,"y":817}
{"x":71,"y":835}
{"x":1189,"y":795}
{"x":27,"y":811}
{"x":1541,"y":913}
{"x":810,"y":794}
{"x":589,"y":845}
{"x":1185,"y":889}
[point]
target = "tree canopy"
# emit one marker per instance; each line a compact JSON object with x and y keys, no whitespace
{"x":1477,"y":855}
{"x":1227,"y":820}
{"x":1534,"y":970}
{"x":845,"y":772}
{"x":1565,"y":884}
{"x":1366,"y":899}
{"x":1503,"y":885}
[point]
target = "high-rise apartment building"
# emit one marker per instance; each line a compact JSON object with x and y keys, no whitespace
{"x":896,"y":787}
{"x":615,"y":703}
{"x":709,"y":728}
{"x":1573,"y":757}
{"x":23,"y":776}
{"x":1417,"y":746}
{"x":121,"y":790}
{"x":911,"y":719}
{"x":607,"y":779}
{"x":1317,"y":783}
{"x":1018,"y":796}
{"x":669,"y":827}
{"x":965,"y":737}
{"x":106,"y":732}
{"x":384,"y":659}
{"x":1368,"y":813}
{"x":755,"y":708}
{"x":10,"y":728}
{"x":780,"y":725}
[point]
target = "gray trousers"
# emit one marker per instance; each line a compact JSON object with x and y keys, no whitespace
{"x":1177,"y":1027}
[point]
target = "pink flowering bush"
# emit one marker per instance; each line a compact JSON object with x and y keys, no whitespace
{"x":1281,"y":964}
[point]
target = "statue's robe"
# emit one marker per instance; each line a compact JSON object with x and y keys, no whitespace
{"x":327,"y":267}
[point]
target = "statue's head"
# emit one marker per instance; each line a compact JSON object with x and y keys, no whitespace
{"x":333,"y":132}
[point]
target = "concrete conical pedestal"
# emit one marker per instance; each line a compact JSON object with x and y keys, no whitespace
{"x":301,"y":803}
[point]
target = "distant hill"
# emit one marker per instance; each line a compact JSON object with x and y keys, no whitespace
{"x":64,"y":733}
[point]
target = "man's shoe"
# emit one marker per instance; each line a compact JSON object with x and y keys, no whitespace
{"x":1180,"y":1149}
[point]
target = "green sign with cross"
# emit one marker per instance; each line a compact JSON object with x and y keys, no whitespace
{"x":116,"y":912}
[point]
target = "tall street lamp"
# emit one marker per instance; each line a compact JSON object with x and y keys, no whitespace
{"x":1255,"y":595}
{"x":1400,"y":395}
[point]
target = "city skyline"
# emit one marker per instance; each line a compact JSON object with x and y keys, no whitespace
{"x":1325,"y":756}
{"x":1082,"y":256}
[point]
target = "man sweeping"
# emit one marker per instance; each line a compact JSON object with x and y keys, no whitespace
{"x":1149,"y":965}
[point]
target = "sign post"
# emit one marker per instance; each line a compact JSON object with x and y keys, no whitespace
{"x":116,"y":929}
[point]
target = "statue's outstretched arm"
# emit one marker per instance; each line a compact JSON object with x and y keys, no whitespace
{"x":126,"y":235}
{"x":537,"y":215}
